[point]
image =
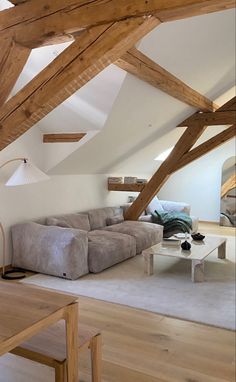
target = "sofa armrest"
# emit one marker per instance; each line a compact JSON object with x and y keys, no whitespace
{"x":52,"y":250}
{"x":175,"y":206}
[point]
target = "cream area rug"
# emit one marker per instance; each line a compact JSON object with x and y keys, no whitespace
{"x":169,"y":291}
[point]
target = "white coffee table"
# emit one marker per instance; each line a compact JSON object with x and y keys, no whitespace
{"x":198,"y":253}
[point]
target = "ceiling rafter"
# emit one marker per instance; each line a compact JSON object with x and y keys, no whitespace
{"x":35,"y":23}
{"x":180,"y":151}
{"x":139,"y":65}
{"x":88,"y":55}
{"x":13,"y":58}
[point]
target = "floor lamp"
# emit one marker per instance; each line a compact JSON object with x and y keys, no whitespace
{"x":26,"y":173}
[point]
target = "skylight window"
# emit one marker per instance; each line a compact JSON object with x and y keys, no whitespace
{"x":164,"y":155}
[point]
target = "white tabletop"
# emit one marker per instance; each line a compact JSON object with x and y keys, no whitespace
{"x":199,"y":249}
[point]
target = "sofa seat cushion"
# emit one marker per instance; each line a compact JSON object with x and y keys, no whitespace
{"x":145,"y":234}
{"x":98,"y":217}
{"x":108,"y":248}
{"x":54,"y":251}
{"x":77,"y":221}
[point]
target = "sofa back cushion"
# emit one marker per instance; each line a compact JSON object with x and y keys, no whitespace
{"x":154,"y":205}
{"x":98,"y":217}
{"x":116,"y":219}
{"x":78,"y":221}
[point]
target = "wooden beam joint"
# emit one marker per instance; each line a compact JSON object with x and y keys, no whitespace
{"x":180,"y":155}
{"x":226,"y":117}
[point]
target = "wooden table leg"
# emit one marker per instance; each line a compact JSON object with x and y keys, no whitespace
{"x":197,"y":271}
{"x":148,"y":263}
{"x":71,"y":319}
{"x":96,"y":358}
{"x":222,"y":251}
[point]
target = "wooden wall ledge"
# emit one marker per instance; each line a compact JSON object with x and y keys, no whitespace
{"x":131,"y":187}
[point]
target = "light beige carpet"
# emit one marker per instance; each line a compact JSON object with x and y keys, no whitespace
{"x":169,"y":291}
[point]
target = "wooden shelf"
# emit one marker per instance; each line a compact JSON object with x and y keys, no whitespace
{"x":126,"y":187}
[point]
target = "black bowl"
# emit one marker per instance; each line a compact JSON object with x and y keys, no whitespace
{"x":198,"y":236}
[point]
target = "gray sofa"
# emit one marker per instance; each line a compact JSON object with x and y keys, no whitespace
{"x":73,"y":245}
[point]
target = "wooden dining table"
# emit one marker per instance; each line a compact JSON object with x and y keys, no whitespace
{"x":25,"y":310}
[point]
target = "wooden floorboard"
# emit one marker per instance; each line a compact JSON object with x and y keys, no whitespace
{"x":148,"y":347}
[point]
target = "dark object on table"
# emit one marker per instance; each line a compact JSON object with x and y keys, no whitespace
{"x":198,"y":236}
{"x":186,"y":245}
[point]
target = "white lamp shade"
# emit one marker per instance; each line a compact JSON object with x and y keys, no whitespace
{"x":26,"y":173}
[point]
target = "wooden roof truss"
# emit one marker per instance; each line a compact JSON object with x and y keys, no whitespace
{"x":102,"y":33}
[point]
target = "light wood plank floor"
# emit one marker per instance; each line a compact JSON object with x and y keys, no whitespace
{"x":140,"y":346}
{"x":216,"y":229}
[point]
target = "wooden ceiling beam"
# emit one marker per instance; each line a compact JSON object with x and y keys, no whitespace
{"x":180,"y":151}
{"x":63,"y":137}
{"x":90,"y":53}
{"x":211,"y":119}
{"x":185,"y":143}
{"x":34,"y":23}
{"x":13,"y":58}
{"x":206,"y":147}
{"x":139,"y":65}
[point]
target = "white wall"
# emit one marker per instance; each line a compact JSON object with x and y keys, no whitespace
{"x":199,"y":183}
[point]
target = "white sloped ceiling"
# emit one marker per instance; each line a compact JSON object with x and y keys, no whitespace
{"x":201,"y":52}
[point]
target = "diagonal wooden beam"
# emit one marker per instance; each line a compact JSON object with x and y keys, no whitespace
{"x":34,"y":22}
{"x":206,"y":147}
{"x":80,"y":62}
{"x":211,"y":119}
{"x":182,"y":148}
{"x":185,"y":143}
{"x":136,"y":63}
{"x":13,"y":58}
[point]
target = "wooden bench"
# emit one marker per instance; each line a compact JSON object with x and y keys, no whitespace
{"x":49,"y":348}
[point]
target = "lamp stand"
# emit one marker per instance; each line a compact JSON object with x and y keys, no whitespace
{"x":26,"y":173}
{"x":18,"y":274}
